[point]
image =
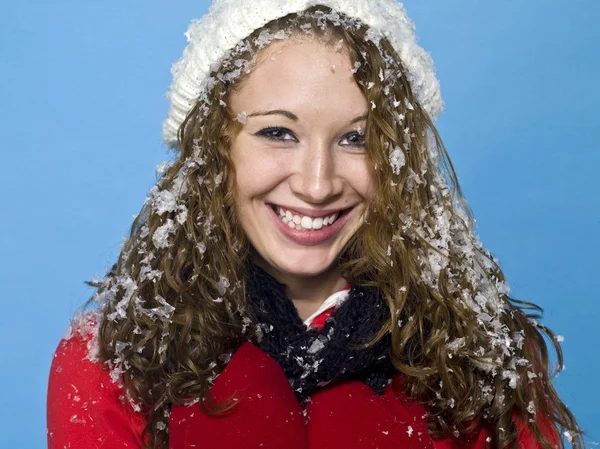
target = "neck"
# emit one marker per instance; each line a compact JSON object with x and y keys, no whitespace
{"x":307,"y":292}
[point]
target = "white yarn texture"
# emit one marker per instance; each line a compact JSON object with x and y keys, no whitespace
{"x":228,"y":22}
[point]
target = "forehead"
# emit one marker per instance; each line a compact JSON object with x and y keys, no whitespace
{"x":301,"y":73}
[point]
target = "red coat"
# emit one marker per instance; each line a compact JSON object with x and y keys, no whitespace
{"x":86,"y":410}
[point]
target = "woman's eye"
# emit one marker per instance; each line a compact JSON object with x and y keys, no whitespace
{"x":274,"y":133}
{"x":356,"y":139}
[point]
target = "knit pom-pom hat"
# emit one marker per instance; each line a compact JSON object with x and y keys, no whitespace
{"x":230,"y":21}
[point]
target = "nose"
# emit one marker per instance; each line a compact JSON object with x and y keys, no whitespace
{"x":315,"y":178}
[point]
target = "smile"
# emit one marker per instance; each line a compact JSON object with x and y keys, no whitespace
{"x":299,"y":222}
{"x":308,"y":229}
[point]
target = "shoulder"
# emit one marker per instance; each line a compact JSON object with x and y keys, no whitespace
{"x":84,"y":401}
{"x":80,"y":338}
{"x":76,"y":362}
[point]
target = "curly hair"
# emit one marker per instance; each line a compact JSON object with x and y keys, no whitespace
{"x":172,"y":307}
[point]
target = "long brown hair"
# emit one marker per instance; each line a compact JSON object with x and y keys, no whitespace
{"x":173,"y":305}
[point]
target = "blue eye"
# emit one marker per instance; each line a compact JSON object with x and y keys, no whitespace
{"x":275,"y":133}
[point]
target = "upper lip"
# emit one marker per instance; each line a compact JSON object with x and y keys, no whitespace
{"x":310,"y":212}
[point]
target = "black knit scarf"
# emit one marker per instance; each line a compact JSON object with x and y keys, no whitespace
{"x":313,"y":358}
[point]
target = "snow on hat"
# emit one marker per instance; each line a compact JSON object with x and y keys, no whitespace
{"x":230,"y":21}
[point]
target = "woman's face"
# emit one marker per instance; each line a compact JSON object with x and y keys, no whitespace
{"x":303,"y":176}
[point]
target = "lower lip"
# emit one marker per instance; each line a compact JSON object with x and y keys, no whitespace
{"x":309,"y":236}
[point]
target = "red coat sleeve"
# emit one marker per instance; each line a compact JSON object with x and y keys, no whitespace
{"x":85,"y":409}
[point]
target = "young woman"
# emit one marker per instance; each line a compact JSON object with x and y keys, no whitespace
{"x":305,"y":273}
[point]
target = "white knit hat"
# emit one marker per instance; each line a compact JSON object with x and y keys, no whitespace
{"x":230,"y":21}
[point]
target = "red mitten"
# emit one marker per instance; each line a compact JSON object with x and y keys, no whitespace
{"x":266,"y":416}
{"x":350,"y":415}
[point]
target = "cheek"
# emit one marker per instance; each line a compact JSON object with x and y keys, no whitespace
{"x":361,"y":176}
{"x":256,"y":173}
{"x":367,"y":182}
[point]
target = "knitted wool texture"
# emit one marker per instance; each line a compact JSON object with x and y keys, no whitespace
{"x":230,"y":21}
{"x":313,"y":358}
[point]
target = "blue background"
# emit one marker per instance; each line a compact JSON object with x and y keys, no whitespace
{"x":81,"y":105}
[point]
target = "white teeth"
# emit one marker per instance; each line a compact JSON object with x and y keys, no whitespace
{"x":299,"y":222}
{"x":306,"y":222}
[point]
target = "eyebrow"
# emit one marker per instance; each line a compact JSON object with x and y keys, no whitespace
{"x":294,"y":117}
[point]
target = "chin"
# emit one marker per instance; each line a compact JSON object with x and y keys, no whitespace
{"x":305,"y":262}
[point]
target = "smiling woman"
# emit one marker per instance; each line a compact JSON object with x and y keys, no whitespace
{"x":305,"y":273}
{"x":303,"y":184}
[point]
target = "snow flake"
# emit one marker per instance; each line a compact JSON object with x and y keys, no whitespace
{"x":182,"y":215}
{"x":75,"y":419}
{"x":162,"y":201}
{"x":242,"y":117}
{"x":397,"y":160}
{"x":316,"y":346}
{"x":455,"y":345}
{"x":162,"y":167}
{"x":160,"y":238}
{"x":373,"y":35}
{"x":503,"y":287}
{"x":223,"y":285}
{"x":162,"y":312}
